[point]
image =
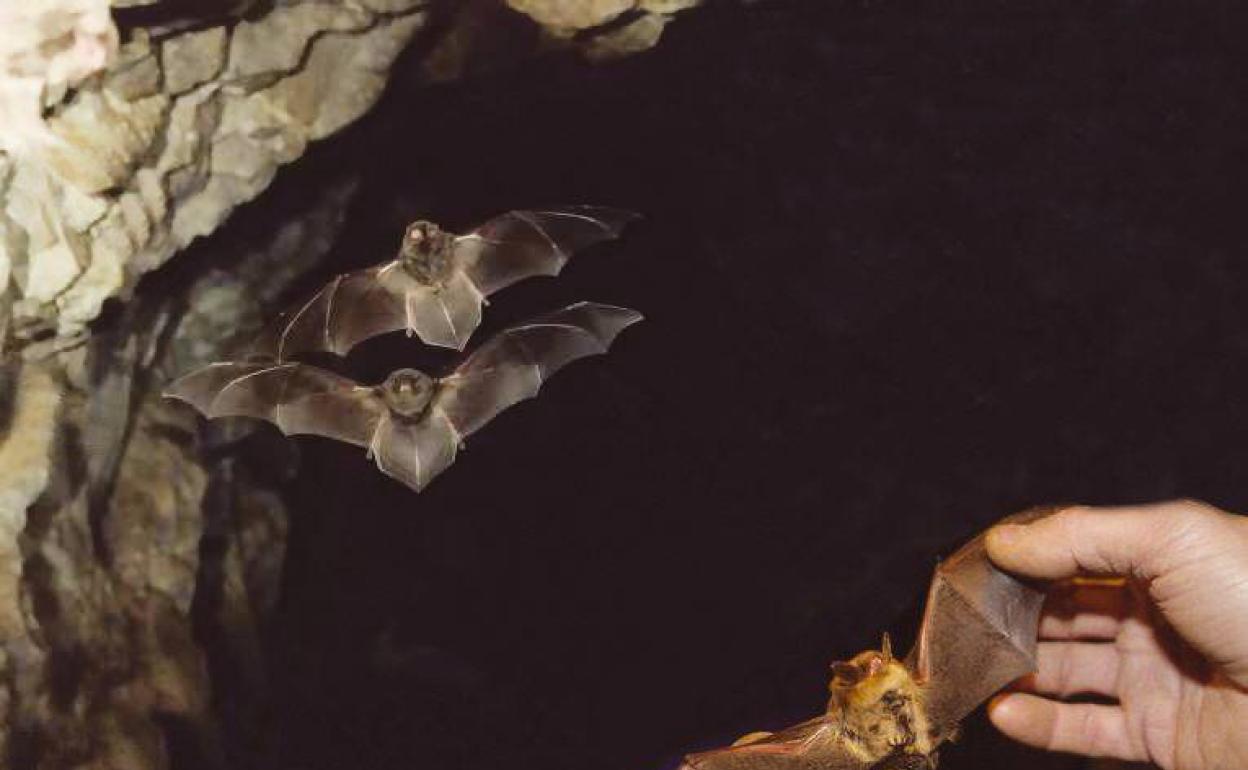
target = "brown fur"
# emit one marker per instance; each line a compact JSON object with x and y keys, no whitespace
{"x":880,"y":707}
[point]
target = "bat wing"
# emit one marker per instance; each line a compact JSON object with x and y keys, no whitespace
{"x":978,"y":634}
{"x":297,"y":398}
{"x":415,"y":452}
{"x":366,"y":303}
{"x":809,"y":745}
{"x":446,"y":316}
{"x":522,"y":244}
{"x":513,"y":365}
{"x":299,"y":330}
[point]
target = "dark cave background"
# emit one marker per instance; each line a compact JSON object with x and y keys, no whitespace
{"x":906,"y":268}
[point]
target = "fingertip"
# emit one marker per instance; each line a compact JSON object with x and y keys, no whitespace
{"x":1004,"y":537}
{"x":1080,"y":728}
{"x":1006,"y":713}
{"x":1023,"y":717}
{"x":1006,"y":546}
{"x":1041,"y":548}
{"x":999,"y":707}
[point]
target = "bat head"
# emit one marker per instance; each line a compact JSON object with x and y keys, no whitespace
{"x":870,"y":676}
{"x":408,"y":392}
{"x":850,"y":673}
{"x":426,"y":251}
{"x":879,"y":706}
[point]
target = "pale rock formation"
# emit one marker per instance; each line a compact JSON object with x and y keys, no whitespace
{"x":175,"y":135}
{"x":617,"y":27}
{"x":106,"y":505}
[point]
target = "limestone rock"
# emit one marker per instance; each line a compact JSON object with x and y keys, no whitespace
{"x":45,"y":48}
{"x":390,"y":6}
{"x":572,"y":15}
{"x":103,"y":487}
{"x":32,"y":398}
{"x":193,"y":59}
{"x":257,"y":58}
{"x":154,"y":552}
{"x":342,"y":78}
{"x":667,"y":6}
{"x":162,"y":148}
{"x":604,"y":29}
{"x":103,"y":138}
{"x":136,"y":72}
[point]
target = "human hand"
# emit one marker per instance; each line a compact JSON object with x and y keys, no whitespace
{"x":1168,"y":649}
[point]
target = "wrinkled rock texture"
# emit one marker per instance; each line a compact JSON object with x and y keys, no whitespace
{"x":179,"y":131}
{"x":138,"y":556}
{"x":567,"y":17}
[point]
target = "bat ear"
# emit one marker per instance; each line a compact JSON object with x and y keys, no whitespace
{"x":886,"y":646}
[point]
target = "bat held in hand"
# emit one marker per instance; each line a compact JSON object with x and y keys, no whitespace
{"x":978,"y":634}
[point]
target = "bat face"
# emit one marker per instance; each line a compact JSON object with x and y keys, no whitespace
{"x":863,"y":667}
{"x":408,"y":392}
{"x":871,"y":670}
{"x":426,"y":252}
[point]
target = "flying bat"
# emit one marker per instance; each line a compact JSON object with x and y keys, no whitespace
{"x":437,"y":284}
{"x":978,"y":635}
{"x":412,"y":424}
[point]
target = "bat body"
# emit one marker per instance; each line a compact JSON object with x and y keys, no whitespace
{"x":978,"y":635}
{"x":412,"y":424}
{"x":437,"y":284}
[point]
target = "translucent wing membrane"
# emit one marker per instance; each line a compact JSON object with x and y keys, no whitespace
{"x":810,"y":745}
{"x":513,"y":365}
{"x":297,"y":398}
{"x":522,"y":244}
{"x":979,"y":630}
{"x":378,"y":300}
{"x":365,"y":304}
{"x":446,"y":317}
{"x":347,"y":310}
{"x":415,"y":452}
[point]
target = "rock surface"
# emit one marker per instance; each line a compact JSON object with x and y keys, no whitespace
{"x":615,"y":27}
{"x":132,"y":566}
{"x":179,"y":132}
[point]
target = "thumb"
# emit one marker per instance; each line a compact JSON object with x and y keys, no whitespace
{"x":1142,"y":541}
{"x":1193,"y":558}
